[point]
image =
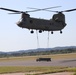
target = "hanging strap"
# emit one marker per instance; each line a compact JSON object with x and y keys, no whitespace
{"x":37,"y":40}
{"x":48,"y":40}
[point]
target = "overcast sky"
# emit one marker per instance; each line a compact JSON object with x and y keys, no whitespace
{"x":13,"y":38}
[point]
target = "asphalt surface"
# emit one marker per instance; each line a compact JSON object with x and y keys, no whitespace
{"x":59,"y":62}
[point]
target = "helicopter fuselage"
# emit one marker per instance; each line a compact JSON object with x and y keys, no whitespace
{"x":42,"y":24}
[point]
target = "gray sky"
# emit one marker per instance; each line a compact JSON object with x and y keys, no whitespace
{"x":13,"y":38}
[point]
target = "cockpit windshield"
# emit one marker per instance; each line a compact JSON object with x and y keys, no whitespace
{"x":20,"y":20}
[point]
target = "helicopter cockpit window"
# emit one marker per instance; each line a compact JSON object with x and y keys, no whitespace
{"x":20,"y":20}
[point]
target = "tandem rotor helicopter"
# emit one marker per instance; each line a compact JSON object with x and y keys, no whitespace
{"x":57,"y":23}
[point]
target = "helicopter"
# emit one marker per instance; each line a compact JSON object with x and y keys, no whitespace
{"x":56,"y":23}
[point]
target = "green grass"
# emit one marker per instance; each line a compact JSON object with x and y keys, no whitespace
{"x":42,"y":70}
{"x":53,"y":56}
{"x":75,"y":73}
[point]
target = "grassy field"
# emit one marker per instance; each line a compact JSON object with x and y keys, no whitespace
{"x":41,"y":70}
{"x":53,"y":56}
{"x":16,"y":69}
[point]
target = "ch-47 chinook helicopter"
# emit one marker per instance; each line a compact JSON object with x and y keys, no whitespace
{"x":57,"y":23}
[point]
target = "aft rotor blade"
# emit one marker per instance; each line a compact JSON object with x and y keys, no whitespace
{"x":61,"y":11}
{"x":51,"y":7}
{"x":10,"y":10}
{"x":69,"y":10}
{"x":51,"y":11}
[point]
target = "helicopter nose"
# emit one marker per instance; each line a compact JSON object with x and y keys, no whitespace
{"x":19,"y":24}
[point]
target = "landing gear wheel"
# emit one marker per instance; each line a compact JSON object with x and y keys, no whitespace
{"x":32,"y":31}
{"x":60,"y":32}
{"x":40,"y":31}
{"x":51,"y":32}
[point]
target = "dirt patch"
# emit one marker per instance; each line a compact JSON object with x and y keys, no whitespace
{"x":14,"y":74}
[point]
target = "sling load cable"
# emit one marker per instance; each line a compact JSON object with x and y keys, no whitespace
{"x":37,"y":40}
{"x":48,"y":40}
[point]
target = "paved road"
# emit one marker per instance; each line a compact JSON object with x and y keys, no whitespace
{"x":60,"y":62}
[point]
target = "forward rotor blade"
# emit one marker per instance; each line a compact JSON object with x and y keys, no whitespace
{"x":15,"y":13}
{"x":43,"y":8}
{"x":10,"y":10}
